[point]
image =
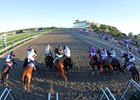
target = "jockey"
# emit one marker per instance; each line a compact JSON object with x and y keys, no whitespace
{"x":9,"y":58}
{"x":67,"y":51}
{"x":29,"y":50}
{"x":91,"y":52}
{"x":131,"y":57}
{"x":112,"y":54}
{"x":58,"y":53}
{"x":103,"y":54}
{"x":9,"y":63}
{"x":48,"y":50}
{"x":31,"y":58}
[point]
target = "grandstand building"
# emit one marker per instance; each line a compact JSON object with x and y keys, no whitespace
{"x":81,"y":24}
{"x":84,"y":24}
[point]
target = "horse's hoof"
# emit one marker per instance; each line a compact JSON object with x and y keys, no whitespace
{"x":25,"y":88}
{"x":66,"y":79}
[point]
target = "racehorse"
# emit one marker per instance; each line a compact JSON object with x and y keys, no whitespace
{"x":131,"y":67}
{"x":116,"y":65}
{"x":59,"y":68}
{"x":94,"y":61}
{"x":68,"y":64}
{"x":35,"y":70}
{"x":27,"y":76}
{"x":5,"y":74}
{"x":6,"y":71}
{"x":105,"y":63}
{"x":49,"y":61}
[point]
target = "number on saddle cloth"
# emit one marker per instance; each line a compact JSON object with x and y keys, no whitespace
{"x":130,"y":65}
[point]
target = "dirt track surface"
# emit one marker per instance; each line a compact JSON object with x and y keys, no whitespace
{"x":81,"y":83}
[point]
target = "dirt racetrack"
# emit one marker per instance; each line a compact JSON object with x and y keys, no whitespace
{"x":81,"y":83}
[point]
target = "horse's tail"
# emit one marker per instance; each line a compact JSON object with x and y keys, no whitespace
{"x":61,"y":67}
{"x":23,"y":77}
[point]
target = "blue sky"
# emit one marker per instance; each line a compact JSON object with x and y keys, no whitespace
{"x":19,"y":14}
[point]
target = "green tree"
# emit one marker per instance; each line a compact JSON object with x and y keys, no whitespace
{"x":130,"y":34}
{"x":94,"y":27}
{"x":103,"y":28}
{"x":135,"y":36}
{"x":114,"y":31}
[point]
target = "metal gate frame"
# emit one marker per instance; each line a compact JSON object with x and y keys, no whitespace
{"x":7,"y":92}
{"x":132,"y":83}
{"x":104,"y":93}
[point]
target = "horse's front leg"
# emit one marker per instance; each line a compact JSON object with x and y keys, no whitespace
{"x":93,"y":69}
{"x":4,"y":79}
{"x":101,"y":68}
{"x":111,"y":67}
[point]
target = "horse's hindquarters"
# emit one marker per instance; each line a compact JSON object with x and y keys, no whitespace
{"x":27,"y":74}
{"x":59,"y":66}
{"x":68,"y":64}
{"x":49,"y":61}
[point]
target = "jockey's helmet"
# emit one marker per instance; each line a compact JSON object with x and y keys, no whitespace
{"x":66,"y":47}
{"x":103,"y":49}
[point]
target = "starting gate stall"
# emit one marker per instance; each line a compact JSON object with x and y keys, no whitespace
{"x":106,"y":94}
{"x":50,"y":96}
{"x":7,"y":94}
{"x":132,"y":91}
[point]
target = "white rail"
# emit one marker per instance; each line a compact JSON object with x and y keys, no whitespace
{"x":7,"y":92}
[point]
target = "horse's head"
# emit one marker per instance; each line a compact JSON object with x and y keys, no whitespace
{"x":98,"y":51}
